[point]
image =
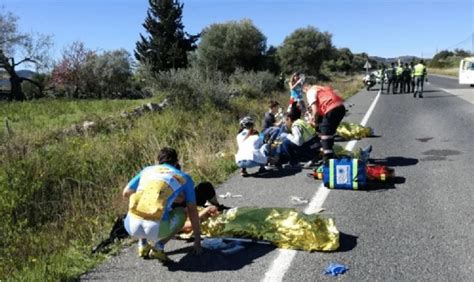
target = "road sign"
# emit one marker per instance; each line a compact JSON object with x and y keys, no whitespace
{"x":367,"y":65}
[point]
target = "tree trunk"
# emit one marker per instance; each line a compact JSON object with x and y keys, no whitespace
{"x":16,"y":91}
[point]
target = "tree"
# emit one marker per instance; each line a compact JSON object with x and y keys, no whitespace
{"x":167,"y":45}
{"x":83,"y":73}
{"x":231,"y":45}
{"x":34,"y":49}
{"x":305,"y":50}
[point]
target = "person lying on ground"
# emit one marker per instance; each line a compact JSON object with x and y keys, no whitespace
{"x":251,"y":151}
{"x":301,"y":143}
{"x":151,"y":215}
{"x":328,"y":111}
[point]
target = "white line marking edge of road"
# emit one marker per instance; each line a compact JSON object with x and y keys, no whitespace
{"x":282,"y":262}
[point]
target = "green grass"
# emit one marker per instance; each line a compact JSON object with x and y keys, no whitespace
{"x":59,"y":198}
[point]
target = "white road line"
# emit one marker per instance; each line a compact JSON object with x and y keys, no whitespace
{"x":282,"y":262}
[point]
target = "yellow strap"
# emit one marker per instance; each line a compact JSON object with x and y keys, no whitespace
{"x":331,"y":173}
{"x":355,"y":165}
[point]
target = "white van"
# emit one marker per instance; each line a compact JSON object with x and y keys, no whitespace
{"x":466,"y":71}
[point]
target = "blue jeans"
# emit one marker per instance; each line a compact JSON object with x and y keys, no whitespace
{"x":248,"y":164}
{"x":290,"y":152}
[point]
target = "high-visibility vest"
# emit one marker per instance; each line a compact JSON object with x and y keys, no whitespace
{"x":399,"y":71}
{"x":420,"y":70}
{"x":307,"y":131}
{"x":325,"y":98}
{"x":156,"y":190}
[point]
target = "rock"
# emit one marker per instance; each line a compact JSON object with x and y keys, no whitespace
{"x":88,"y":125}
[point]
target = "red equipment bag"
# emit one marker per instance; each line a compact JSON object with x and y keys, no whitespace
{"x":379,"y":172}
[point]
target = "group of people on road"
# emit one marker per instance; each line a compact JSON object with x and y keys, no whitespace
{"x":404,"y":78}
{"x":299,"y":135}
{"x":163,"y":200}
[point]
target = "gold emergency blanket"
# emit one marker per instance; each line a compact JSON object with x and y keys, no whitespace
{"x":284,"y":227}
{"x":349,"y":130}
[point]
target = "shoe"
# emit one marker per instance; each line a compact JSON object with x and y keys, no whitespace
{"x":309,"y":164}
{"x":420,"y":96}
{"x":414,"y":95}
{"x":144,"y":250}
{"x":244,"y":173}
{"x":159,"y":255}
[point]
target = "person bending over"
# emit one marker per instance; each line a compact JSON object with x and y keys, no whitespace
{"x":151,"y":216}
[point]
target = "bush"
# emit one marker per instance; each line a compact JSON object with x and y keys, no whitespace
{"x":231,"y":45}
{"x":305,"y":50}
{"x":253,"y":84}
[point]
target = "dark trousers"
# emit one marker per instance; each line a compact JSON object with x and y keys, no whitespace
{"x":391,"y":82}
{"x":290,"y":152}
{"x":419,"y":85}
{"x":399,"y":85}
{"x":407,"y":85}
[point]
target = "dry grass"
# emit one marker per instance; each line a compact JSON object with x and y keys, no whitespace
{"x":449,"y":72}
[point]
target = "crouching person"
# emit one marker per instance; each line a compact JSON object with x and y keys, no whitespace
{"x":328,"y":110}
{"x":151,"y":216}
{"x":252,"y":151}
{"x":301,"y":143}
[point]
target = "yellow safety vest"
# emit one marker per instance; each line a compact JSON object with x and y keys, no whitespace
{"x":307,"y":130}
{"x":420,"y":70}
{"x":399,"y":71}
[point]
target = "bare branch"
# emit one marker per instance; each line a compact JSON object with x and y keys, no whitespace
{"x":26,"y":60}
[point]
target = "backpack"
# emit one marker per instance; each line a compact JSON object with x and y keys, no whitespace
{"x":379,"y":173}
{"x":345,"y":174}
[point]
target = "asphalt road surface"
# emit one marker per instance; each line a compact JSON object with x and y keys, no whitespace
{"x":420,"y":228}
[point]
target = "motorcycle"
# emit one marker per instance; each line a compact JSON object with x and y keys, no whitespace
{"x":369,"y":81}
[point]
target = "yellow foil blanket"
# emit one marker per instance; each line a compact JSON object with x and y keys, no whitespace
{"x":284,"y":227}
{"x":349,"y":130}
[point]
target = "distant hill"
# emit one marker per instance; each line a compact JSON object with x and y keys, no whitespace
{"x":387,"y":61}
{"x":5,"y":83}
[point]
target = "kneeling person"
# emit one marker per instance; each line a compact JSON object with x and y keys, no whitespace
{"x":301,"y":143}
{"x":151,"y":215}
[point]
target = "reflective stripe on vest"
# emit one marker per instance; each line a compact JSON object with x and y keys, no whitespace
{"x":419,"y":70}
{"x":307,"y":131}
{"x":355,"y":176}
{"x":331,"y":173}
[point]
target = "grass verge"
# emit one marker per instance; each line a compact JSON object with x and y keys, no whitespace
{"x":60,"y":199}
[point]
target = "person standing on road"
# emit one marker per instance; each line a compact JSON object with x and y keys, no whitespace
{"x":151,"y":215}
{"x":328,"y":111}
{"x":406,"y":78}
{"x":391,"y":77}
{"x":420,"y":76}
{"x":399,"y":73}
{"x":382,"y":77}
{"x":412,"y":70}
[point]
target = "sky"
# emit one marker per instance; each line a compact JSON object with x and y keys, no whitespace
{"x":386,"y":28}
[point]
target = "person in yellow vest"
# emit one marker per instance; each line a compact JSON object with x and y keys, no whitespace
{"x":399,"y":71}
{"x":420,"y":76}
{"x":153,"y":214}
{"x":300,"y":144}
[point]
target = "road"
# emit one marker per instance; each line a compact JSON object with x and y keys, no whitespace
{"x":418,"y":229}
